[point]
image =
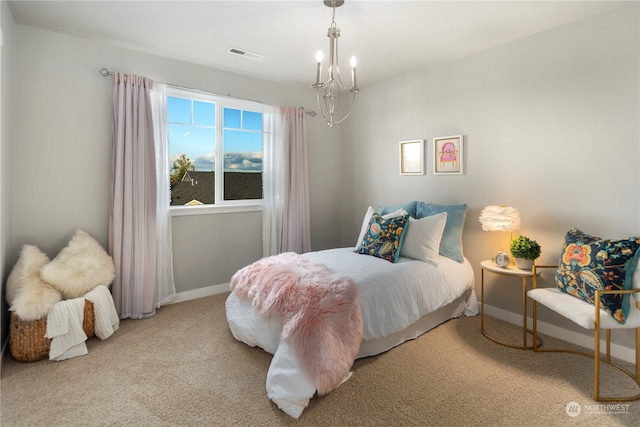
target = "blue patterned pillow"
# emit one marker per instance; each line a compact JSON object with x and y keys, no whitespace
{"x":451,"y":243}
{"x":383,"y":238}
{"x":588,"y":263}
{"x":410,"y":207}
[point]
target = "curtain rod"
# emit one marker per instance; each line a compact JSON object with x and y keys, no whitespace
{"x":104,"y":72}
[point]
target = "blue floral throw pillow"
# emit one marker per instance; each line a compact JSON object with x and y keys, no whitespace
{"x":383,"y":238}
{"x":589,"y":263}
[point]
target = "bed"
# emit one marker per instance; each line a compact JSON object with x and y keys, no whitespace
{"x":396,"y":302}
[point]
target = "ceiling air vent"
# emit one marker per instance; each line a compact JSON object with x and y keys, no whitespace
{"x":245,"y":53}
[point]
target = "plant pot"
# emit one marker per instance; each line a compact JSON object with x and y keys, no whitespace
{"x":524,"y":264}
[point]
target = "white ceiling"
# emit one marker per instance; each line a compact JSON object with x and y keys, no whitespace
{"x":389,"y":38}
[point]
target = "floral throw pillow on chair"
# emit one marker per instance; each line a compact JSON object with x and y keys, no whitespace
{"x":589,"y":263}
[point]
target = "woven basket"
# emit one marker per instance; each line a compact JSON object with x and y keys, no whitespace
{"x":27,"y":340}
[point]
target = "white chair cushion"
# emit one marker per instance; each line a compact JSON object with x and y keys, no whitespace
{"x":580,"y":312}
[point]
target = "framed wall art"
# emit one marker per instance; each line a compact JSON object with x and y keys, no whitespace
{"x":412,"y":157}
{"x":448,"y":155}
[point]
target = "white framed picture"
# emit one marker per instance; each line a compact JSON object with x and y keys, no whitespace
{"x":448,"y":155}
{"x":412,"y":157}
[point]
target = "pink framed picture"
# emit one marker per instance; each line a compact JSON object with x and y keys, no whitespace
{"x":448,"y":155}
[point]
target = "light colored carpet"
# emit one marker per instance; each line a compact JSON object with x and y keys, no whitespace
{"x":184,"y":368}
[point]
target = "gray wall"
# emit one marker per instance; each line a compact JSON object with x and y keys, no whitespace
{"x":552,"y":128}
{"x":6,"y":178}
{"x":7,"y":57}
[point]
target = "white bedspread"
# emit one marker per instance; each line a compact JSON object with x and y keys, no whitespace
{"x":392,"y":297}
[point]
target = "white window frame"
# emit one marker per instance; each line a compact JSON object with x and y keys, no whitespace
{"x":220,"y":205}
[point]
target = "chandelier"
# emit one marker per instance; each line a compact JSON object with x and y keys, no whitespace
{"x":330,"y":92}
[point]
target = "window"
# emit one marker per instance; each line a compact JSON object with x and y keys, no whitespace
{"x":215,"y":149}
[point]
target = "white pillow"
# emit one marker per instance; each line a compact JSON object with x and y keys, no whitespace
{"x":28,"y":295}
{"x":81,"y":266}
{"x":367,"y":218}
{"x":422,"y":239}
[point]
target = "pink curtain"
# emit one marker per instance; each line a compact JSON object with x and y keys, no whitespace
{"x":132,"y":203}
{"x":296,"y":235}
{"x":285,"y":182}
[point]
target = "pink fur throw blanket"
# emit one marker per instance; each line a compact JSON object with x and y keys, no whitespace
{"x":319,"y":312}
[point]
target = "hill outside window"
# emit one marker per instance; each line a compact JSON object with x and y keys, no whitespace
{"x":215,"y":152}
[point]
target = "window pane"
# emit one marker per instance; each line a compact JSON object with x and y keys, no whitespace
{"x":231,"y":118}
{"x":242,"y":165}
{"x":195,"y":142}
{"x":178,"y":110}
{"x":204,"y":113}
{"x":251,"y":120}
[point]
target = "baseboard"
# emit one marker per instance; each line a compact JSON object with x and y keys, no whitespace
{"x":583,"y":340}
{"x":200,"y":293}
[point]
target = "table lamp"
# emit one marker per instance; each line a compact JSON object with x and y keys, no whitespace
{"x":500,"y":218}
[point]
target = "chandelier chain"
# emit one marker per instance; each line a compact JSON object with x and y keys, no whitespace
{"x":333,"y":15}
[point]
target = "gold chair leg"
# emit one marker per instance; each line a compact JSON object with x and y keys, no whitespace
{"x":535,"y":325}
{"x":596,"y":364}
{"x":638,"y":355}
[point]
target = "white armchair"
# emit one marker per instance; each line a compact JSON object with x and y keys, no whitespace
{"x":590,"y":316}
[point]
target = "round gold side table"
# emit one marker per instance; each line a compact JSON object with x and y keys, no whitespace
{"x":513,"y":271}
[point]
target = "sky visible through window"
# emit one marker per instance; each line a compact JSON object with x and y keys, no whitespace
{"x":192,"y":132}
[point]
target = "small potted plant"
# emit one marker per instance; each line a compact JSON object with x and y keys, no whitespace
{"x":525,"y":251}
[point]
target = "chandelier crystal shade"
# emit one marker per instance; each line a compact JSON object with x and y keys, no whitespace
{"x":330,"y":93}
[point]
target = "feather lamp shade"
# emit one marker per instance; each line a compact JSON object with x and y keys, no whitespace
{"x":500,"y":218}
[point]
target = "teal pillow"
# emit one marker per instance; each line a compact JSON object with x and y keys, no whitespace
{"x":451,"y":243}
{"x":588,"y":263}
{"x":384,"y":237}
{"x":410,"y":207}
